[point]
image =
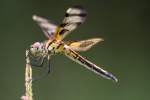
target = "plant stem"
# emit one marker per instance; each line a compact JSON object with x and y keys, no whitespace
{"x":28,"y":79}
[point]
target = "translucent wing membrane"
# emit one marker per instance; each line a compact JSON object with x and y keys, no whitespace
{"x":74,"y":16}
{"x":87,"y":64}
{"x":48,"y":27}
{"x":83,"y":45}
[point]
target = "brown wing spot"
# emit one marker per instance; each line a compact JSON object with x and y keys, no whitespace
{"x":63,"y":31}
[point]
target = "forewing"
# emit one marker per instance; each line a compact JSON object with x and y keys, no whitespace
{"x":83,"y":45}
{"x":74,"y":16}
{"x":47,"y":26}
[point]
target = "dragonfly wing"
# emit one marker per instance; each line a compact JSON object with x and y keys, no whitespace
{"x":87,"y":64}
{"x":74,"y":16}
{"x":83,"y":45}
{"x":47,"y":26}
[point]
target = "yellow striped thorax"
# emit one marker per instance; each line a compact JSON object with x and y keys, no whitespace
{"x":54,"y":46}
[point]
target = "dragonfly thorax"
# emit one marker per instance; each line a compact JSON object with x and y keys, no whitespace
{"x":54,"y":46}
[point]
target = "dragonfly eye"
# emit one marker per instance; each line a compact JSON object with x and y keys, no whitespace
{"x":37,"y":49}
{"x":36,"y":45}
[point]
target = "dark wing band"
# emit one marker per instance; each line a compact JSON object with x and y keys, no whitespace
{"x":74,"y":16}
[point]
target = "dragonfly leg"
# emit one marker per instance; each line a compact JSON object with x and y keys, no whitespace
{"x":49,"y":65}
{"x":48,"y":72}
{"x":39,"y":64}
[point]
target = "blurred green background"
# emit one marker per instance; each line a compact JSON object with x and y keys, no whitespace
{"x":125,"y":26}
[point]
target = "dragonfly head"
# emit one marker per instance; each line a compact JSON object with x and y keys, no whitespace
{"x":38,"y":49}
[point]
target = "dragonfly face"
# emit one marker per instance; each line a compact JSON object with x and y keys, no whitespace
{"x":74,"y":16}
{"x":38,"y":49}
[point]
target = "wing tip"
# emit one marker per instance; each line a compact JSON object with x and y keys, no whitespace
{"x":77,"y":9}
{"x":34,"y":17}
{"x":98,"y":40}
{"x":39,"y":19}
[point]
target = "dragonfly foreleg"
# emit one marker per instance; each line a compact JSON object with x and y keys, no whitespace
{"x":49,"y":64}
{"x":49,"y":69}
{"x":38,"y":62}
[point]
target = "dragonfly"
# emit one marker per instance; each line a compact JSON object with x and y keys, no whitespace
{"x":74,"y":17}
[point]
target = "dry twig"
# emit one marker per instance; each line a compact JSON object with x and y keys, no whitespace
{"x":28,"y":79}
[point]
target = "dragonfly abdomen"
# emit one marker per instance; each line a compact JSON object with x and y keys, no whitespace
{"x":87,"y":64}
